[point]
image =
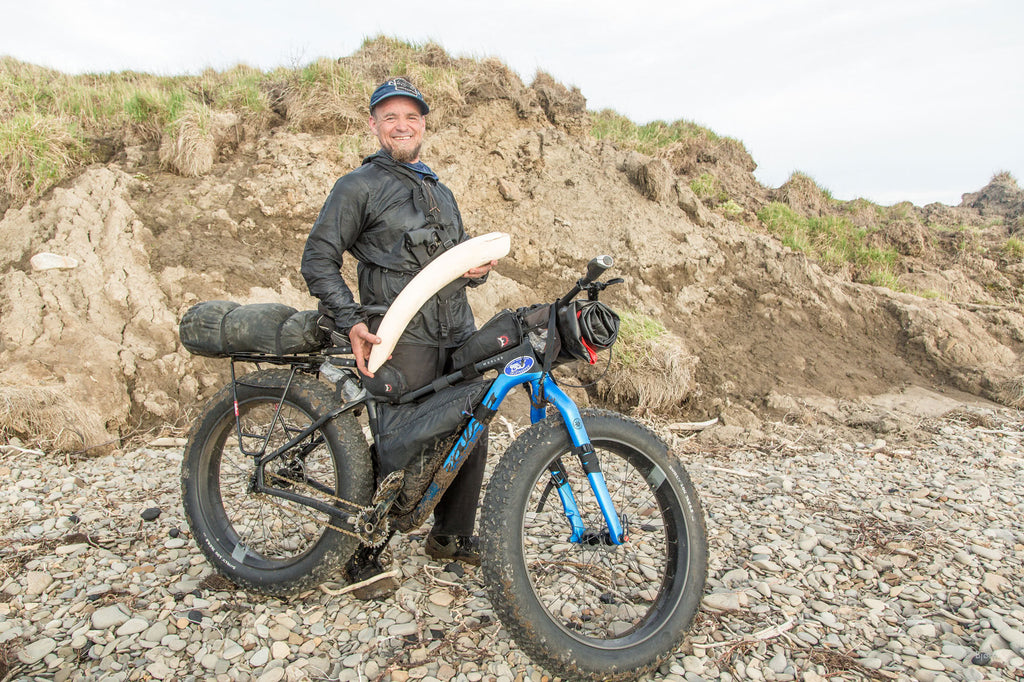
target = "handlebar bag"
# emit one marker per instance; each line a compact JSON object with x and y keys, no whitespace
{"x":536,"y":319}
{"x":501,"y":332}
{"x":586,"y":327}
{"x":416,"y":437}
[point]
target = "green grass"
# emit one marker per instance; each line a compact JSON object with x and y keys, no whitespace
{"x":636,"y":331}
{"x":1014,"y":248}
{"x":731,"y":208}
{"x":709,"y":190}
{"x":650,"y":137}
{"x":930,"y":294}
{"x":38,"y":152}
{"x":834,"y":241}
{"x":704,"y":186}
{"x":48,"y":119}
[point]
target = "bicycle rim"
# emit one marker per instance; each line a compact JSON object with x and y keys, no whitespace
{"x":261,"y":530}
{"x":604,"y":595}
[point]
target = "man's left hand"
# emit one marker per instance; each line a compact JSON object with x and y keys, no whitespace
{"x":480,"y":270}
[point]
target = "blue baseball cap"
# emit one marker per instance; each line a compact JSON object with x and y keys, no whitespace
{"x":398,"y":87}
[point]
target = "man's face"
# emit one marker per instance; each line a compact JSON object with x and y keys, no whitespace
{"x":399,"y":126}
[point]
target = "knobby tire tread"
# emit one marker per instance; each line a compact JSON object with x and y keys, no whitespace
{"x":348,"y":448}
{"x":517,"y":612}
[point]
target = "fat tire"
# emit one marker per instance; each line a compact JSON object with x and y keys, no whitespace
{"x":200,"y":484}
{"x":508,"y":579}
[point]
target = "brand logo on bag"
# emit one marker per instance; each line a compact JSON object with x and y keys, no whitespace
{"x":502,"y":340}
{"x":520,"y":365}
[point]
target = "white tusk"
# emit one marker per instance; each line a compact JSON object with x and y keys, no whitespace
{"x":441,"y":271}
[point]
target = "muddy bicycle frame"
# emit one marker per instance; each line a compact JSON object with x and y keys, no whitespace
{"x":514,"y":367}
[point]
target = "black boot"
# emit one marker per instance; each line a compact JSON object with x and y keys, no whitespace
{"x":454,"y":547}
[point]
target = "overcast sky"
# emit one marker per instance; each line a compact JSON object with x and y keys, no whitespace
{"x":890,"y":100}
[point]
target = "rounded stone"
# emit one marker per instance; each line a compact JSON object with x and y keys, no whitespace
{"x":37,"y":650}
{"x":260,"y":657}
{"x":132,"y":626}
{"x":108,"y":617}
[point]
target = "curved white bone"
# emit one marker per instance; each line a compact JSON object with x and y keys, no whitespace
{"x":441,"y":271}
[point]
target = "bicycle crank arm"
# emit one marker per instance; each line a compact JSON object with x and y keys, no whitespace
{"x":372,"y":523}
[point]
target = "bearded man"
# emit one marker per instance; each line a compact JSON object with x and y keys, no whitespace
{"x":394,"y":216}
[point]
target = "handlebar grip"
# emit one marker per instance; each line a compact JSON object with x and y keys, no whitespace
{"x":595,"y":267}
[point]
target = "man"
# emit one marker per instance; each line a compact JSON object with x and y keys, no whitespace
{"x":394,"y":216}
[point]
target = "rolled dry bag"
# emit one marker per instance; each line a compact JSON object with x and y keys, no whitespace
{"x":586,"y":327}
{"x":202,"y":328}
{"x":255,"y":328}
{"x":218,"y":329}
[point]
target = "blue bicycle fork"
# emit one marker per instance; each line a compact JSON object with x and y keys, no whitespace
{"x":582,"y":448}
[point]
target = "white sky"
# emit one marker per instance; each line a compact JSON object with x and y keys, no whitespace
{"x":890,"y":100}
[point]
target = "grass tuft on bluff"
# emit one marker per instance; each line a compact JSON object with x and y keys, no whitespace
{"x":53,"y":124}
{"x":834,"y":241}
{"x":654,"y":137}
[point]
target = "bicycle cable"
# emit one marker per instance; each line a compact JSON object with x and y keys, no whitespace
{"x":607,"y":367}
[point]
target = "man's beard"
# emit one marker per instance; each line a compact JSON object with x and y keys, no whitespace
{"x":405,"y":155}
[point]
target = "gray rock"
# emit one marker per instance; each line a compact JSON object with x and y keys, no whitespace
{"x":778,"y":663}
{"x":132,"y":626}
{"x":260,"y":657}
{"x":36,"y":582}
{"x":929,"y":663}
{"x":403,"y":629}
{"x":109,"y":617}
{"x":37,"y":650}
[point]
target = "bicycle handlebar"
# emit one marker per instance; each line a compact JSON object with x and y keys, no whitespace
{"x":595,"y":268}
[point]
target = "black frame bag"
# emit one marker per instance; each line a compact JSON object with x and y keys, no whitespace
{"x":417,"y":436}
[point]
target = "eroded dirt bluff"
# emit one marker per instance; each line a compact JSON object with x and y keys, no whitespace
{"x":755,"y":328}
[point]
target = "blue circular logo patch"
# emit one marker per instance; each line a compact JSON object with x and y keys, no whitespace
{"x":520,"y":365}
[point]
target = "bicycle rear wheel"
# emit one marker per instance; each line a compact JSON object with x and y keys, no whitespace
{"x":259,"y":541}
{"x":590,"y":609}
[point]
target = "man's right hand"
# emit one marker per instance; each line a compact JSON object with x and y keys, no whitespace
{"x":362,"y":341}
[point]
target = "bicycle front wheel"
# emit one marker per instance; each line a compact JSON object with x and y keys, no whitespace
{"x":260,"y":541}
{"x":588,"y":608}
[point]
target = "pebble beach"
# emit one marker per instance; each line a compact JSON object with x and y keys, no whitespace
{"x":874,"y":559}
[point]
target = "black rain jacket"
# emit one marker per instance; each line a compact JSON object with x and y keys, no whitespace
{"x":393,"y":223}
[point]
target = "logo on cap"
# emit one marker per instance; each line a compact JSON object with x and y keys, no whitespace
{"x":396,"y":87}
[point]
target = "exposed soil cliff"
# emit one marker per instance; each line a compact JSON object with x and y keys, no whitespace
{"x":89,"y":353}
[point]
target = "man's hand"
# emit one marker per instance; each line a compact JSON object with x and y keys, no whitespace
{"x":480,"y":270}
{"x":362,"y":341}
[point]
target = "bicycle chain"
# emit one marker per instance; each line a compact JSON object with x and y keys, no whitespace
{"x":302,"y":510}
